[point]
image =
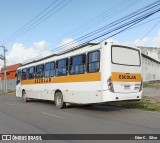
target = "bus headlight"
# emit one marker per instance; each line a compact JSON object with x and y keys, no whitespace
{"x":110,"y":85}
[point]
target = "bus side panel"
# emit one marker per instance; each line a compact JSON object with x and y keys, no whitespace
{"x":105,"y":69}
{"x":81,"y":92}
{"x":74,"y":92}
{"x":49,"y":92}
{"x":33,"y":90}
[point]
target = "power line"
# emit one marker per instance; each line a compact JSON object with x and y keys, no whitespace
{"x":113,"y":24}
{"x":30,"y":21}
{"x":96,"y":33}
{"x":145,"y":22}
{"x":117,"y":9}
{"x":120,"y":9}
{"x":101,"y":17}
{"x":11,"y":60}
{"x":93,"y":33}
{"x":143,"y":12}
{"x":148,"y":32}
{"x":116,"y":25}
{"x":44,"y":53}
{"x":54,"y":10}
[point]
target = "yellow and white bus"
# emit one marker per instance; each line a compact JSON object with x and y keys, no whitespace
{"x":93,"y":73}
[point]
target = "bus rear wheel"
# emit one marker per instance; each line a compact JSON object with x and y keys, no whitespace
{"x":25,"y":99}
{"x":60,"y":104}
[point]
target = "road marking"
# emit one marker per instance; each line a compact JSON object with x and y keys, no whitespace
{"x":52,"y":115}
{"x":9,"y":104}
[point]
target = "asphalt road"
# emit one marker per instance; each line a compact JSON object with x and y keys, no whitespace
{"x":42,"y":117}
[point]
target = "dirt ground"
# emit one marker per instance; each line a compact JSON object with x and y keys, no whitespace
{"x":152,"y":92}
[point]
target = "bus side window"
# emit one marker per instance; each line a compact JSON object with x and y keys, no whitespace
{"x":39,"y":71}
{"x":77,"y":64}
{"x":62,"y":67}
{"x":31,"y":72}
{"x":52,"y":69}
{"x":24,"y":74}
{"x":49,"y":69}
{"x":93,"y":61}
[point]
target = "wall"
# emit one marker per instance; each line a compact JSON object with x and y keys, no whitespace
{"x":11,"y":84}
{"x":151,"y":69}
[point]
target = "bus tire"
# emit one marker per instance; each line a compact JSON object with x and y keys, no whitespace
{"x":25,"y":99}
{"x":58,"y":98}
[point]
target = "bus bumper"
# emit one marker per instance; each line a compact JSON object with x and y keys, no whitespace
{"x":111,"y":96}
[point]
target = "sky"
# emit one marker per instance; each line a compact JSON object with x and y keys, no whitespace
{"x":74,"y":19}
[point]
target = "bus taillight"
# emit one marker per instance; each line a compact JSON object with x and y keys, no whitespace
{"x":110,"y":85}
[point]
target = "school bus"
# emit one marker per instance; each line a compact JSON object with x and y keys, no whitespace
{"x":92,"y":73}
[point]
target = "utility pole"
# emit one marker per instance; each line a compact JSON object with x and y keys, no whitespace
{"x":4,"y":58}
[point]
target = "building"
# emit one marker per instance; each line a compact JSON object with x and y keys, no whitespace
{"x":151,"y":69}
{"x":10,"y":76}
{"x":150,"y":63}
{"x":153,"y":52}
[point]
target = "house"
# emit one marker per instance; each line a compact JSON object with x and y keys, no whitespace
{"x":10,"y":77}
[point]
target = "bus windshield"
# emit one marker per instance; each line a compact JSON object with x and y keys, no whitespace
{"x":125,"y":56}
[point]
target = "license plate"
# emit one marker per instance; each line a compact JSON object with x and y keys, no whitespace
{"x":126,"y":87}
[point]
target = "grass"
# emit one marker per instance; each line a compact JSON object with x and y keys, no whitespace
{"x":145,"y":103}
{"x":152,"y":84}
{"x":8,"y":92}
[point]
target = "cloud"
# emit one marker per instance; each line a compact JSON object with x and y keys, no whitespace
{"x":111,"y":40}
{"x":142,"y":42}
{"x":67,"y":43}
{"x":41,"y":46}
{"x":19,"y":53}
{"x":148,"y":41}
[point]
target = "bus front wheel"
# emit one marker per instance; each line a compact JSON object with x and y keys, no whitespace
{"x":59,"y":100}
{"x":25,"y":99}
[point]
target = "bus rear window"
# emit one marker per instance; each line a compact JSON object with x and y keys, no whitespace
{"x":125,"y":56}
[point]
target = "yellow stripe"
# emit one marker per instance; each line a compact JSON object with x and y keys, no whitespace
{"x":63,"y":79}
{"x":126,"y":77}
